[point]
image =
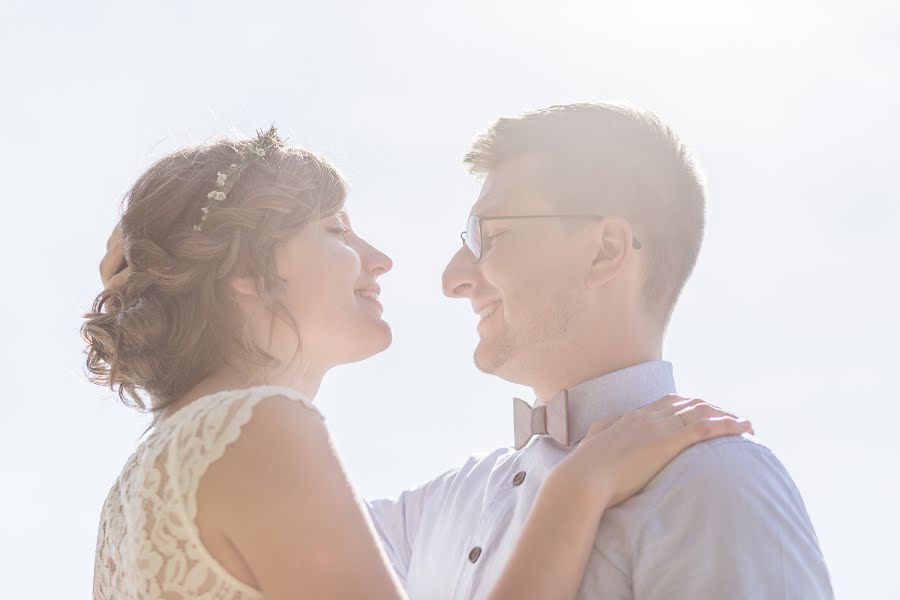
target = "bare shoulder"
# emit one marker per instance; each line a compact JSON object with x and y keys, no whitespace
{"x":280,"y":499}
{"x":284,"y":444}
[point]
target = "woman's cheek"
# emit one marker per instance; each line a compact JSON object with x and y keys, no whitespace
{"x":352,"y":263}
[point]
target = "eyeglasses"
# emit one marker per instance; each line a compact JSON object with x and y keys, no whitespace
{"x":473,"y":236}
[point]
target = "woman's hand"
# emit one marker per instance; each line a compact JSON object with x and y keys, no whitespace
{"x":618,"y":457}
{"x":113,"y":268}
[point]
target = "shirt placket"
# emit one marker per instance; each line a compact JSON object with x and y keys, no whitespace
{"x":485,"y":537}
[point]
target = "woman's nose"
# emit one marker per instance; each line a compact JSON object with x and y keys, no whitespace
{"x":377,"y":262}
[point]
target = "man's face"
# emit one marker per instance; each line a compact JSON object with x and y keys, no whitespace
{"x":528,"y":286}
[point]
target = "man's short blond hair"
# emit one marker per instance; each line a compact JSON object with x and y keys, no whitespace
{"x":615,"y":160}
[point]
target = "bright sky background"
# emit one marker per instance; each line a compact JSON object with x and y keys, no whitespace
{"x":790,"y":319}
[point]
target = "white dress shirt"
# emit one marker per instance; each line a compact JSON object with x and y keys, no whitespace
{"x":723,"y":520}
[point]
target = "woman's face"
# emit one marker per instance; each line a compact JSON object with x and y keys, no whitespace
{"x":332,"y":292}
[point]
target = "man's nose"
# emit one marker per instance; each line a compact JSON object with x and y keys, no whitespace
{"x":460,"y":275}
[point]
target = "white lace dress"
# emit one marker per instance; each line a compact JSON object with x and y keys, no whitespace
{"x":149,"y":547}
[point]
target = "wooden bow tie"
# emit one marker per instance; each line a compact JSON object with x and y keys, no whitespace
{"x":551,"y":419}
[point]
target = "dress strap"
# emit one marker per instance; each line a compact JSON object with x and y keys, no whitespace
{"x":267,"y":391}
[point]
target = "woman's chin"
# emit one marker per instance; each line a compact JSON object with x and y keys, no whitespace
{"x":386,"y":337}
{"x":376,"y":341}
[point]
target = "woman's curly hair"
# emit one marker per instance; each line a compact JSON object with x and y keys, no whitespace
{"x":174,"y":321}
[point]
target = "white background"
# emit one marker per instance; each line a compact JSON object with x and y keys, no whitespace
{"x":790,"y":318}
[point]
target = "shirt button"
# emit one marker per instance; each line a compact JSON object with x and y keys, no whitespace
{"x":519,"y":478}
{"x":474,"y":554}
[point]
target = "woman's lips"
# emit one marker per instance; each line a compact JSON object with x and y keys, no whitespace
{"x":370,"y":296}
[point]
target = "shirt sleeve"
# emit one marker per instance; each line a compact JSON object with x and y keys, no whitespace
{"x":398,"y":520}
{"x":732,"y":524}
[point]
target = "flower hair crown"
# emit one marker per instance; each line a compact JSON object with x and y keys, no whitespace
{"x":262,"y":144}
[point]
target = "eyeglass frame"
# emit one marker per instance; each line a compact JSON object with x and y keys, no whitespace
{"x":478,"y":220}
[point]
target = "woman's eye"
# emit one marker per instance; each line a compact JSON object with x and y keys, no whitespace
{"x":341,"y":232}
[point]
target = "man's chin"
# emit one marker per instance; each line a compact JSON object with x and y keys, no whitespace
{"x":484,"y":366}
{"x":491,"y":357}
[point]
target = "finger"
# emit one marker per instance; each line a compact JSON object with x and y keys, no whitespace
{"x":703,"y":410}
{"x":686,"y":402}
{"x":707,"y":429}
{"x":697,"y":407}
{"x":717,"y":408}
{"x":671,"y":404}
{"x":602,"y":424}
{"x":666,"y":404}
{"x":113,"y":262}
{"x":118,"y":280}
{"x":115,"y":237}
{"x":674,"y":425}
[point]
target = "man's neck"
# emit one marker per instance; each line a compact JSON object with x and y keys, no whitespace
{"x":589,"y":365}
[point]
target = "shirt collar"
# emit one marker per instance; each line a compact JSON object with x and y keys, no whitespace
{"x":616,"y":393}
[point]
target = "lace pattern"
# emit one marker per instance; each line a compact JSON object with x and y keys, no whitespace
{"x":148,"y":544}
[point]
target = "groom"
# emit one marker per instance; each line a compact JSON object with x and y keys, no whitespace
{"x":586,"y":229}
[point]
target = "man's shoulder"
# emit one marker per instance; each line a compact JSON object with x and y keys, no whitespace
{"x":721,"y":474}
{"x":724,"y":511}
{"x":718,"y":464}
{"x":734,"y":480}
{"x":725,"y":455}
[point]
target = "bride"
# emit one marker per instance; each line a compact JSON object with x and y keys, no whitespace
{"x":245,"y":284}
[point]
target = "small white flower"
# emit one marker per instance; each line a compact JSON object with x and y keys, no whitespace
{"x":259,"y":151}
{"x":221,"y":178}
{"x":216,"y":195}
{"x":197,"y":228}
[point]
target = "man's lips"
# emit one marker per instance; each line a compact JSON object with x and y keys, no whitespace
{"x":486,"y":310}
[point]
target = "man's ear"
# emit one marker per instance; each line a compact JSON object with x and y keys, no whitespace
{"x":611,"y":242}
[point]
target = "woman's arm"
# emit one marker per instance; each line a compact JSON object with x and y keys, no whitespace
{"x":614,"y":461}
{"x":280,"y":497}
